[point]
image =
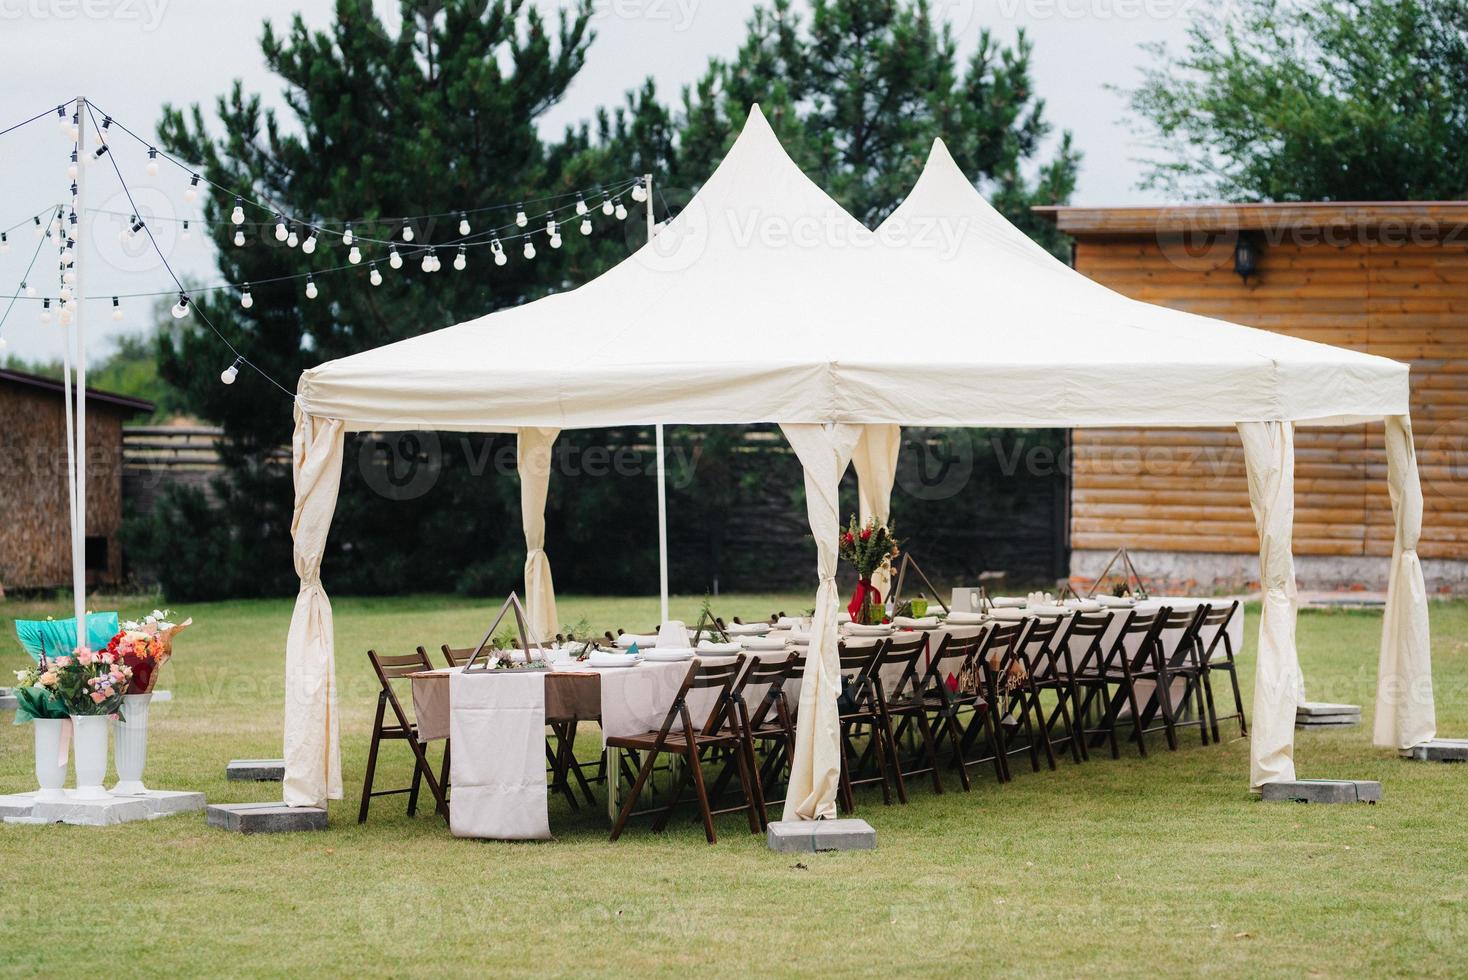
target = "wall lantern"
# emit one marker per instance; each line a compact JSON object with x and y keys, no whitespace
{"x":1246,"y":255}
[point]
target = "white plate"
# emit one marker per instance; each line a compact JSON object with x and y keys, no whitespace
{"x":643,"y":641}
{"x":613,"y":660}
{"x":667,"y":655}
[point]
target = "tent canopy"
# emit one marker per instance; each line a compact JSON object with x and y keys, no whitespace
{"x":764,"y":301}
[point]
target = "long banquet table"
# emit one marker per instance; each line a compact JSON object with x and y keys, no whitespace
{"x":633,"y":700}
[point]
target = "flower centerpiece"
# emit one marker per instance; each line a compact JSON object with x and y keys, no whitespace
{"x":868,"y":546}
{"x":39,"y":703}
{"x":145,"y":646}
{"x":91,"y":685}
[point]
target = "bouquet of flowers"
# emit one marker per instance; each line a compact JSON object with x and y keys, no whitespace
{"x":144,"y":646}
{"x":869,"y":547}
{"x":36,"y":696}
{"x":90,"y":683}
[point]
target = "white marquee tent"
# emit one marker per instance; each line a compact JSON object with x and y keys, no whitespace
{"x":763,"y":301}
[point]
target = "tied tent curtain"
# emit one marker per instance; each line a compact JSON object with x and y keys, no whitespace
{"x":875,"y":462}
{"x":313,"y":772}
{"x":1405,"y":715}
{"x":824,"y":452}
{"x":533,"y":461}
{"x":1269,"y":455}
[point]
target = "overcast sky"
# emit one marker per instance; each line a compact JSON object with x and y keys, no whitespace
{"x":131,"y":56}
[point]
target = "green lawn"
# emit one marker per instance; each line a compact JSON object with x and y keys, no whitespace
{"x":1163,"y":865}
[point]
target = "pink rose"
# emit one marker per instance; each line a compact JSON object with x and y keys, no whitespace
{"x":85,"y":657}
{"x":62,"y":662}
{"x":98,"y":697}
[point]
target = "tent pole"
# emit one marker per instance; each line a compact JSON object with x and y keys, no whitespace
{"x":652,"y":226}
{"x":78,"y":302}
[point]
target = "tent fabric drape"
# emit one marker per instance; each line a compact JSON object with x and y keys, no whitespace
{"x":533,"y":460}
{"x":824,"y":452}
{"x":1405,"y":715}
{"x":1269,"y":454}
{"x":875,"y":462}
{"x":313,"y":772}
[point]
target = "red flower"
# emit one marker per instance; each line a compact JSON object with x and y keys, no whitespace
{"x":849,"y":538}
{"x":866,"y":533}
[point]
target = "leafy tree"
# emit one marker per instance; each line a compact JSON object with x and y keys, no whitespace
{"x":1320,"y":100}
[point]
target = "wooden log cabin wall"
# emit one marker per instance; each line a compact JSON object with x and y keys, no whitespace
{"x":1385,"y":278}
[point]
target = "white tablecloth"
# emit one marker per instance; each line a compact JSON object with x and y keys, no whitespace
{"x":497,"y":724}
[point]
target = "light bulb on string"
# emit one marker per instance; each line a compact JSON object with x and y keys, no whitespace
{"x":69,"y":277}
{"x":355,"y":255}
{"x":46,"y":310}
{"x":427,"y":265}
{"x":152,"y":162}
{"x":639,"y":193}
{"x":606,"y":207}
{"x":498,"y":251}
{"x":393,"y":258}
{"x":292,"y":240}
{"x":28,"y":289}
{"x":309,"y":245}
{"x":520,"y":218}
{"x":463,"y":224}
{"x":191,"y":192}
{"x":4,"y":242}
{"x":461,"y":261}
{"x":228,"y":375}
{"x":621,"y":211}
{"x":100,"y":152}
{"x":585,"y":226}
{"x":529,"y":252}
{"x":311,"y":291}
{"x":40,"y":228}
{"x":237,"y":216}
{"x":407,"y":232}
{"x":184,"y":231}
{"x":555,"y":240}
{"x":239,"y":238}
{"x":247,"y":300}
{"x":61,"y":120}
{"x":63,"y":316}
{"x":374,"y":276}
{"x":181,"y":308}
{"x":347,"y":235}
{"x":71,"y":169}
{"x":581,"y":207}
{"x":116,"y":309}
{"x":281,"y":231}
{"x":65,"y":293}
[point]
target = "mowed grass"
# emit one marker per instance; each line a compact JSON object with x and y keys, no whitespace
{"x":1163,"y":865}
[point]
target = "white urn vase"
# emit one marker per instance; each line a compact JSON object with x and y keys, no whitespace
{"x":52,"y":756}
{"x":90,"y":752}
{"x":130,"y":745}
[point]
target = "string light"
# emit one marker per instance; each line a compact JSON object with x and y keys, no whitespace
{"x":581,"y":207}
{"x":281,"y":231}
{"x":461,"y":261}
{"x":40,"y":228}
{"x":237,"y":216}
{"x":606,"y":206}
{"x":463,"y":224}
{"x":586,"y":226}
{"x":309,"y":245}
{"x":228,"y":375}
{"x":529,"y":249}
{"x":116,"y":309}
{"x":292,"y":240}
{"x":184,"y":232}
{"x":374,"y":276}
{"x":152,"y":161}
{"x":407,"y":231}
{"x":427,"y":264}
{"x":28,"y":289}
{"x":554,"y":233}
{"x":311,"y":291}
{"x":639,"y":193}
{"x":621,"y":211}
{"x":4,"y":242}
{"x":393,"y":258}
{"x":181,"y":308}
{"x":239,"y":238}
{"x":246,"y":299}
{"x":191,"y":192}
{"x":46,"y":310}
{"x":355,"y":255}
{"x":520,"y":219}
{"x":498,"y":251}
{"x":64,"y":315}
{"x":347,"y":234}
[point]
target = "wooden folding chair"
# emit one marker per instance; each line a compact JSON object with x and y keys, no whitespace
{"x":1117,"y":668}
{"x":560,"y":748}
{"x":857,"y":708}
{"x":771,"y":722}
{"x":389,"y":669}
{"x":1182,"y":664}
{"x":1043,"y":663}
{"x":1085,"y":671}
{"x":898,"y":662}
{"x":1210,"y":646}
{"x":1005,"y":678}
{"x":722,"y":729}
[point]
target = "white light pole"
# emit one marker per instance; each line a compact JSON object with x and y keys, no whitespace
{"x":78,"y":304}
{"x":652,"y":230}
